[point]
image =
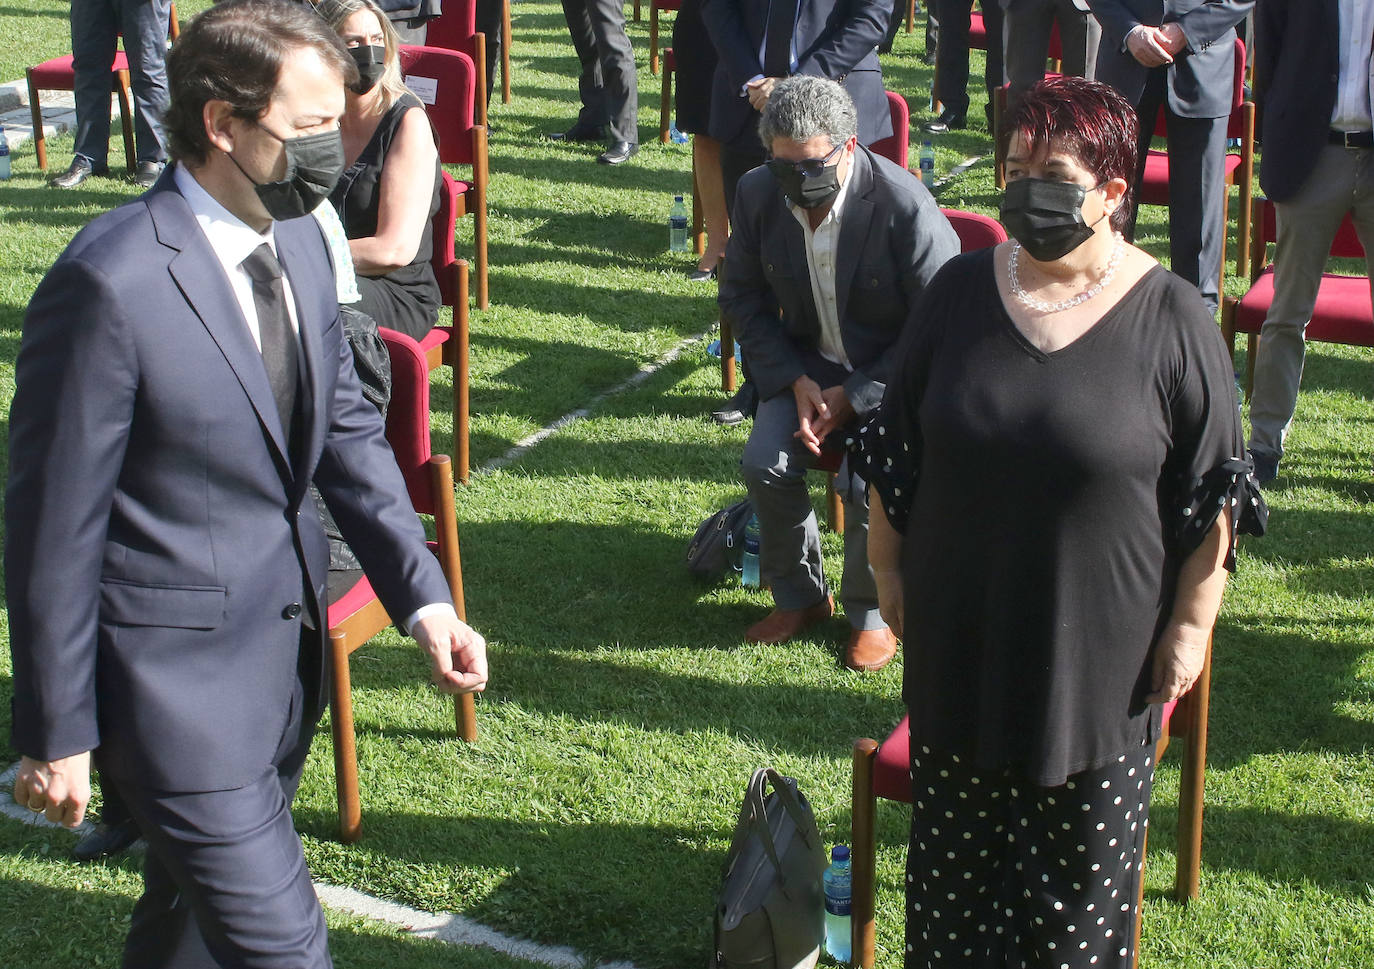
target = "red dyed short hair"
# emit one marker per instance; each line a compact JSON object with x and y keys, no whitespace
{"x":1090,"y":121}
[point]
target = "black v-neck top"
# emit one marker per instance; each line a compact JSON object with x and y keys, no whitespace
{"x":1047,"y":501}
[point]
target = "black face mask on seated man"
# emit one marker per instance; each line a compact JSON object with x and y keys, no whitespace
{"x":314,"y":164}
{"x":809,"y":184}
{"x":1046,"y":217}
{"x":371,"y":61}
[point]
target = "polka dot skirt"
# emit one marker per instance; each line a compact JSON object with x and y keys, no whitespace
{"x":1005,"y":874}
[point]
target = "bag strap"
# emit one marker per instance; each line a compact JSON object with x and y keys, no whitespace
{"x":787,"y":795}
{"x":753,"y":819}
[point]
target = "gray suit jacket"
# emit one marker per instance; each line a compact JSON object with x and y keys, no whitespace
{"x":893,"y":238}
{"x":1200,"y":78}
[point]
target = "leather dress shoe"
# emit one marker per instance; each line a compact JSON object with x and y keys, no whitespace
{"x":579,"y":132}
{"x":780,"y":625}
{"x":870,"y":649}
{"x":80,"y":170}
{"x":617,"y":152}
{"x":948,"y":121}
{"x":148,"y":172}
{"x":744,"y":404}
{"x":105,"y":840}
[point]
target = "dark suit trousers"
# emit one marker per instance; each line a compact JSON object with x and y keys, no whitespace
{"x":489,"y":23}
{"x":951,"y":57}
{"x":96,"y":26}
{"x":1197,"y":197}
{"x":225,"y":881}
{"x":607,"y":84}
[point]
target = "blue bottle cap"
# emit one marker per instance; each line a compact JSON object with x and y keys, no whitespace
{"x":839,"y":853}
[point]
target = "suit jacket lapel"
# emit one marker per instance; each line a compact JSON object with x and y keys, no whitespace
{"x":200,"y":277}
{"x":854,"y":225}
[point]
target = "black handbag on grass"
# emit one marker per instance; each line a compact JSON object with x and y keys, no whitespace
{"x":770,"y":911}
{"x":719,"y":540}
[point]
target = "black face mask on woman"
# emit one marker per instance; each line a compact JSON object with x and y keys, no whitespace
{"x":1046,"y":216}
{"x":371,"y":61}
{"x":314,"y":164}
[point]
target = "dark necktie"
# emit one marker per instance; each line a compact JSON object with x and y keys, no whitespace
{"x":777,"y":42}
{"x":278,"y":340}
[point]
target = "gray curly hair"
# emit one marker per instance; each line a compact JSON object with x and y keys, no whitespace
{"x":802,"y":107}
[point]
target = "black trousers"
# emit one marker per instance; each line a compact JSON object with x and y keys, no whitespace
{"x":952,"y":53}
{"x":225,"y":881}
{"x":607,"y":83}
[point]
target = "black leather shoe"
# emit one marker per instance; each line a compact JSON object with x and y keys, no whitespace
{"x":617,"y":152}
{"x":579,"y":132}
{"x":737,"y":408}
{"x":80,"y":170}
{"x":948,"y":121}
{"x":148,"y":172}
{"x":106,"y":840}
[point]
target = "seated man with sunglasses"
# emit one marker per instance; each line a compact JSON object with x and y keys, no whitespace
{"x":830,"y":247}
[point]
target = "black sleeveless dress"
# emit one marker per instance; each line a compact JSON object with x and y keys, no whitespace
{"x":406,"y":299}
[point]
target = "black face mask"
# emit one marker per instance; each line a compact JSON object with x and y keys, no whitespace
{"x":371,"y":63}
{"x":314,"y":164}
{"x":809,"y":184}
{"x":1046,"y":217}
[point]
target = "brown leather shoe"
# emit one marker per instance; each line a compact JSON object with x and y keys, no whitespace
{"x":780,"y":625}
{"x":870,"y":649}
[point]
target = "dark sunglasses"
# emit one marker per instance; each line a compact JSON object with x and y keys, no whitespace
{"x":807,"y":167}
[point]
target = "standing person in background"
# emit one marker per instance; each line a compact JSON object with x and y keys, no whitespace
{"x":1179,"y":55}
{"x":607,"y":85}
{"x":182,"y":380}
{"x":409,"y":18}
{"x":1026,"y":28}
{"x":1314,"y":81}
{"x":96,"y":28}
{"x":696,"y":67}
{"x":951,"y":61}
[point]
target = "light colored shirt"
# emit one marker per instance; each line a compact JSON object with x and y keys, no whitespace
{"x":232,"y":241}
{"x":822,"y":249}
{"x":1355,"y":39}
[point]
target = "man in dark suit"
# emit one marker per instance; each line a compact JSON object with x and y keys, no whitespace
{"x":1315,"y":85}
{"x":183,"y":378}
{"x":830,"y":246}
{"x":607,"y":85}
{"x":1180,"y":54}
{"x":760,"y":43}
{"x":951,"y":61}
{"x":1027,"y":25}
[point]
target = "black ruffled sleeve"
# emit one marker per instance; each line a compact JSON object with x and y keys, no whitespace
{"x":1230,"y":485}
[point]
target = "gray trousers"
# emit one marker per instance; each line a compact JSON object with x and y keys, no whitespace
{"x":607,"y":84}
{"x":1341,"y":182}
{"x":96,"y":26}
{"x":1026,"y":27}
{"x":774,"y":468}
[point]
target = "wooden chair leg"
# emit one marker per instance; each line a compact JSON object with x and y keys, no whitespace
{"x":345,"y":751}
{"x":505,"y":51}
{"x":479,"y":57}
{"x":636,"y":11}
{"x":40,"y":145}
{"x":910,"y":15}
{"x":665,"y":106}
{"x":461,"y":385}
{"x":653,"y":39}
{"x":727,"y":356}
{"x":1192,"y":779}
{"x":834,"y":508}
{"x":862,"y":855}
{"x":698,"y":215}
{"x":126,"y":117}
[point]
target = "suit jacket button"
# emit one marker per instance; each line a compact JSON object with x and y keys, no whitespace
{"x":291,"y":611}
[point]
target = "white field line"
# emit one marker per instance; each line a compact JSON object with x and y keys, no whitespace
{"x":443,"y":926}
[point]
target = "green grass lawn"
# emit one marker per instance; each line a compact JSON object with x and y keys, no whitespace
{"x":625,"y":711}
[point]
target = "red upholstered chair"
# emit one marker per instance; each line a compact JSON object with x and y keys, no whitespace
{"x":358,"y":615}
{"x":1240,"y":167}
{"x":456,"y":29}
{"x":461,"y":141}
{"x":885,"y":771}
{"x":896,"y":146}
{"x":1343,"y":313}
{"x":58,"y":75}
{"x":654,"y":7}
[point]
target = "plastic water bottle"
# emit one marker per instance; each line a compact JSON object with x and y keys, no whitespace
{"x":675,"y":136}
{"x":4,"y":155}
{"x":749,"y":561}
{"x":926,"y":162}
{"x":677,"y":226}
{"x":837,"y":896}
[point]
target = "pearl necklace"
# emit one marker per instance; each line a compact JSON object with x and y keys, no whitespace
{"x":1071,"y":301}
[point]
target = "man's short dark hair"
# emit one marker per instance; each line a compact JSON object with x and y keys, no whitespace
{"x":234,"y":52}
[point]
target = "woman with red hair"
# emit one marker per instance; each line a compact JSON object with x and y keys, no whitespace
{"x":1058,"y":475}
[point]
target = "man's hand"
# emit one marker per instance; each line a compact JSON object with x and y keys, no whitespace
{"x":840,"y":411}
{"x":1147,"y":46}
{"x":891,"y":604}
{"x":760,"y":91}
{"x":457,"y":653}
{"x":59,"y":788}
{"x":1179,"y":658}
{"x":811,"y":407}
{"x":1172,"y":38}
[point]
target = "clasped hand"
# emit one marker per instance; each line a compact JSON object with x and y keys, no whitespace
{"x":819,"y":411}
{"x":1155,"y":46}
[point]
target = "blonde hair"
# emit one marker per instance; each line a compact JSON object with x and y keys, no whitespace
{"x":335,"y":12}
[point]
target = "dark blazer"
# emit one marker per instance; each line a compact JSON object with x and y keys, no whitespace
{"x":158,"y":534}
{"x":1200,"y":78}
{"x":837,"y":39}
{"x":893,"y":238}
{"x":1297,"y":73}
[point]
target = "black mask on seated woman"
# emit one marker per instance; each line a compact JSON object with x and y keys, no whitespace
{"x":371,"y":61}
{"x":1046,"y":217}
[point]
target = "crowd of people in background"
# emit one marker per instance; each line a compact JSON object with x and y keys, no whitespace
{"x":1042,"y":456}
